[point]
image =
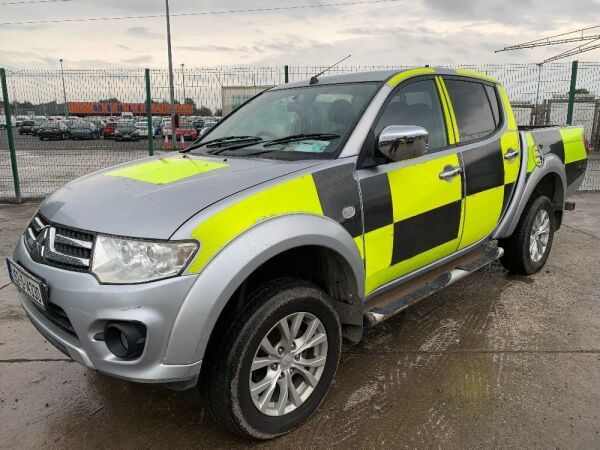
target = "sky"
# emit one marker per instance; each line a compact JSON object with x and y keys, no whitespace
{"x":415,"y":32}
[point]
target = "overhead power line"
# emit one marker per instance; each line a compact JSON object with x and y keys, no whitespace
{"x":591,"y":42}
{"x":28,"y":2}
{"x":201,"y":13}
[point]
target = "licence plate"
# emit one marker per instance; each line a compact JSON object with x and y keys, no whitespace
{"x":35,"y":289}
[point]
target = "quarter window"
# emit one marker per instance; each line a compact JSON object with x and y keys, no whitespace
{"x":416,"y":104}
{"x":491,"y":92}
{"x":472,"y":109}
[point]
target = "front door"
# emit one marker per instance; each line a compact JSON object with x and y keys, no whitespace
{"x":413,"y":210}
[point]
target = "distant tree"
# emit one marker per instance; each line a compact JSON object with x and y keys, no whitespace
{"x":582,"y":91}
{"x":204,"y":111}
{"x":218,"y":112}
{"x":110,"y":100}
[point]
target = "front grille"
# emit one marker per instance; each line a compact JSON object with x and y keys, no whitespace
{"x":58,"y":245}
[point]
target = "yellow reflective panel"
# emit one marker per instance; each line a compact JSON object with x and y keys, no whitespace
{"x":450,"y":111}
{"x":410,"y":265}
{"x":417,"y":189}
{"x":510,"y":142}
{"x":446,"y":108}
{"x":574,"y":146}
{"x":167,"y":170}
{"x":400,"y":77}
{"x":511,"y":123}
{"x":482,"y":213}
{"x":470,"y":73}
{"x":530,"y":152}
{"x":360,"y":244}
{"x":378,"y":248}
{"x":295,"y":196}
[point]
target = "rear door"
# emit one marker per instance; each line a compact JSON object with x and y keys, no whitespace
{"x":412,"y":216}
{"x":489,"y":148}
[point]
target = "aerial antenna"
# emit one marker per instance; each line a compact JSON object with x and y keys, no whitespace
{"x":315,"y":79}
{"x":590,"y":38}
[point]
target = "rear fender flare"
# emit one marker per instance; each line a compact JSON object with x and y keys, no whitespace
{"x":552,"y":165}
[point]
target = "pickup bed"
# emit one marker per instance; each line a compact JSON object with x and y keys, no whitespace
{"x":315,"y":210}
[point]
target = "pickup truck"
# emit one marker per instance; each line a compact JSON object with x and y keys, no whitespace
{"x":314,"y":211}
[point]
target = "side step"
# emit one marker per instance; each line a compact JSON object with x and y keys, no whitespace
{"x":392,"y":302}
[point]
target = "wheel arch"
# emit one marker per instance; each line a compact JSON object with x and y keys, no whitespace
{"x":318,"y":250}
{"x":549,"y":180}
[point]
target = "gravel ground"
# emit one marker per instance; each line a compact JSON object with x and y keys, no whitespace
{"x":493,"y":361}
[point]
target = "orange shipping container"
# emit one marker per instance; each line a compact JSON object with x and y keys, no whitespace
{"x":104,"y":108}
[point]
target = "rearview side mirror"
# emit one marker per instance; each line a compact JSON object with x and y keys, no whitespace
{"x":401,"y":142}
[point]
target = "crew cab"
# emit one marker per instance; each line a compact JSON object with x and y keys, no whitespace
{"x":314,"y":211}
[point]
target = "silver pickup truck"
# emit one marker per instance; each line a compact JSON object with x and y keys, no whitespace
{"x":314,"y":211}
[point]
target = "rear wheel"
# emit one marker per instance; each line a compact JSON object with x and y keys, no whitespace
{"x":270,"y":371}
{"x":527,"y":250}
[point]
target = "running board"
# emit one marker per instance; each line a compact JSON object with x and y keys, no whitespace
{"x":391,"y":303}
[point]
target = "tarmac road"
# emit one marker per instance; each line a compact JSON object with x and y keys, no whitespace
{"x":493,"y":361}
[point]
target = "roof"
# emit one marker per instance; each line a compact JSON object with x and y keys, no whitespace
{"x":393,"y":77}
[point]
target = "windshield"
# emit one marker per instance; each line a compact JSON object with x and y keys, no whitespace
{"x":307,"y":122}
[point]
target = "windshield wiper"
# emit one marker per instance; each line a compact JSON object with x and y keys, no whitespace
{"x":219,"y":142}
{"x":301,"y":137}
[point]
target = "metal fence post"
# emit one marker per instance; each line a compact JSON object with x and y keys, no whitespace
{"x":572,"y":93}
{"x":10,"y":136}
{"x":286,"y":70}
{"x":149,"y":114}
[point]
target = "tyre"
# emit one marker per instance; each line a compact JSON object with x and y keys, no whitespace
{"x":527,"y":250}
{"x":270,"y":368}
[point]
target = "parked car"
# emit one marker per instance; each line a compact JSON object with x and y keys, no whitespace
{"x":198,"y":124}
{"x":108,"y":132}
{"x":166,"y":128}
{"x":245,"y":261}
{"x":39,"y":124}
{"x":126,"y":131}
{"x":84,"y":130}
{"x":20,"y":119}
{"x":141,"y":129}
{"x":26,"y":127}
{"x":53,"y":130}
{"x":186,"y":130}
{"x":207,"y":126}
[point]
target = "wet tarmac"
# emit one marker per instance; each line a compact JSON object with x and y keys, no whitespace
{"x":493,"y":361}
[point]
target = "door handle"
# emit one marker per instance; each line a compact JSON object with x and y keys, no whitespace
{"x":450,"y":172}
{"x":511,"y":154}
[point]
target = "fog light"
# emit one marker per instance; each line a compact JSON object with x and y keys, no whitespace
{"x":125,"y":339}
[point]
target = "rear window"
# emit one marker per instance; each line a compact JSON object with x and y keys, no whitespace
{"x":472,"y":108}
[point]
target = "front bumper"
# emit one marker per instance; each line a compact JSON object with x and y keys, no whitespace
{"x":89,"y":305}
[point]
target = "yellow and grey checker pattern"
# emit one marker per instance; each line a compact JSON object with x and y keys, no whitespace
{"x":566,"y":143}
{"x":413,"y":218}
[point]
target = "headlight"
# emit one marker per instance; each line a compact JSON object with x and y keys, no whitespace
{"x":125,"y":261}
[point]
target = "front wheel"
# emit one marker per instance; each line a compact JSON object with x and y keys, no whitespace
{"x":271,"y":369}
{"x":527,"y":250}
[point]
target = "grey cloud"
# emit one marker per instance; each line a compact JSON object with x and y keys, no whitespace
{"x":212,"y":48}
{"x":144,"y":32}
{"x":138,"y":59}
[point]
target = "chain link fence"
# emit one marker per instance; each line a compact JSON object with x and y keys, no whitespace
{"x":70,"y":123}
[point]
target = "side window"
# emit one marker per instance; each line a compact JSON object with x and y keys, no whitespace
{"x":417,"y":104}
{"x":491,"y":92}
{"x":472,"y":109}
